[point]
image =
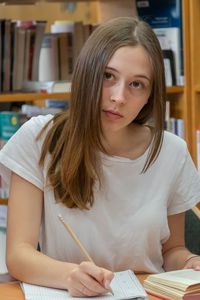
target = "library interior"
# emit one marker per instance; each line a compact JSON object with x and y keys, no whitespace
{"x":40,"y":41}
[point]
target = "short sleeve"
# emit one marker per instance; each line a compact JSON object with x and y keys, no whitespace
{"x":186,"y":191}
{"x":22,"y":152}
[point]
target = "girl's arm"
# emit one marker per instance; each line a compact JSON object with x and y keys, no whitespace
{"x":27,"y":264}
{"x":175,"y":254}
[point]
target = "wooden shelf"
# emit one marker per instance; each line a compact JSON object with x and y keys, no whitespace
{"x":42,"y":96}
{"x":3,"y":201}
{"x":197,"y":89}
{"x":175,"y":89}
{"x":25,"y":2}
{"x":20,"y":97}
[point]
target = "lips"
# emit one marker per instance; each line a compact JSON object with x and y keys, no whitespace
{"x":113,"y":115}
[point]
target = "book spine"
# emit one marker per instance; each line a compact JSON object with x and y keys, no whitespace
{"x":39,"y":33}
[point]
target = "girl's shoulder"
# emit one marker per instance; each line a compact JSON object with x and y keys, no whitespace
{"x":174,"y":146}
{"x":38,"y":121}
{"x":34,"y":125}
{"x":173,"y":139}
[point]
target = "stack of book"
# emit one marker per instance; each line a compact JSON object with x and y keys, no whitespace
{"x":176,"y":285}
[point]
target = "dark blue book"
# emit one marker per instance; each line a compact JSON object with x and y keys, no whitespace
{"x":163,"y":14}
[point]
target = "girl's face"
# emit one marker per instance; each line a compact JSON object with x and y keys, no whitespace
{"x":126,"y":87}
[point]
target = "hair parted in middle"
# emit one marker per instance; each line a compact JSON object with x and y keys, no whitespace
{"x":74,"y":138}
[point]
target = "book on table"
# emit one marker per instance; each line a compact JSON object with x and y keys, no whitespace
{"x":181,"y":284}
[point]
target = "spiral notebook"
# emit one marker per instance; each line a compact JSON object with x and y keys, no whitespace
{"x":125,"y":285}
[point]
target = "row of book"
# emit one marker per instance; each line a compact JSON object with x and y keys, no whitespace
{"x":60,"y":49}
{"x":28,"y":53}
{"x":20,"y":45}
{"x":10,"y":121}
{"x":173,"y":125}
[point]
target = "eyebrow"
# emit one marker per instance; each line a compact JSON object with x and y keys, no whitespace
{"x":137,"y":75}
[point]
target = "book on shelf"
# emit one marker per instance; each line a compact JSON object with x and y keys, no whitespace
{"x":64,"y":29}
{"x":6,"y":54}
{"x":125,"y":285}
{"x":62,"y":26}
{"x":167,"y":110}
{"x":169,"y":64}
{"x":39,"y":33}
{"x":33,"y":110}
{"x":18,"y":65}
{"x":78,"y":39}
{"x":175,"y":126}
{"x":49,"y":59}
{"x":9,"y":124}
{"x":168,"y":15}
{"x":169,"y":39}
{"x":182,"y":284}
{"x":55,"y":103}
{"x":75,"y":40}
{"x":3,"y":214}
{"x":61,"y":86}
{"x":28,"y":52}
{"x":65,"y":55}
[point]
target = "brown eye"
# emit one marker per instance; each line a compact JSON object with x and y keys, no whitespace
{"x":136,"y":84}
{"x":108,"y":76}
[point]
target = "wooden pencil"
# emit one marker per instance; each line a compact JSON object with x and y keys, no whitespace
{"x":76,"y":240}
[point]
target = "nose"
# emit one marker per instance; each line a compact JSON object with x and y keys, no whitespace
{"x":118,"y":93}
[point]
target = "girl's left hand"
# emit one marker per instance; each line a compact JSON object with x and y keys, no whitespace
{"x":193,"y":262}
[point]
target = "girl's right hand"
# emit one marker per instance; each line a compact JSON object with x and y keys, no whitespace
{"x":87,"y":280}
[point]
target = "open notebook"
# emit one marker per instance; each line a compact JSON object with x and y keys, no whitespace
{"x":125,"y":285}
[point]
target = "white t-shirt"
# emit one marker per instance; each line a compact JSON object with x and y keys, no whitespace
{"x":127,"y":224}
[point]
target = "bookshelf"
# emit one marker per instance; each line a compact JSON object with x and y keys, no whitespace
{"x":184,"y":101}
{"x":194,"y":26}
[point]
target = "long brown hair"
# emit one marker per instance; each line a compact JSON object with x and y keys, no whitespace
{"x":74,"y":138}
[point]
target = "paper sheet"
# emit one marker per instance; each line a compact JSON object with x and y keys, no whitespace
{"x":125,"y":285}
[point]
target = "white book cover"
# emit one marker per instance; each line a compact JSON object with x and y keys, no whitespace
{"x":169,"y":38}
{"x":61,"y":86}
{"x":48,"y":61}
{"x":60,"y":28}
{"x":181,"y":132}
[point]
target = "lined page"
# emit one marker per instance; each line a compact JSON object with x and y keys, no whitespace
{"x":125,"y":285}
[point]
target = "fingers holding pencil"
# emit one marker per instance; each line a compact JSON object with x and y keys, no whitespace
{"x":101,"y":275}
{"x":89,"y":280}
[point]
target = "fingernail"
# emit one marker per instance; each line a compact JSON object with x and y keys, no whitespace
{"x":197,"y":268}
{"x":107,"y":284}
